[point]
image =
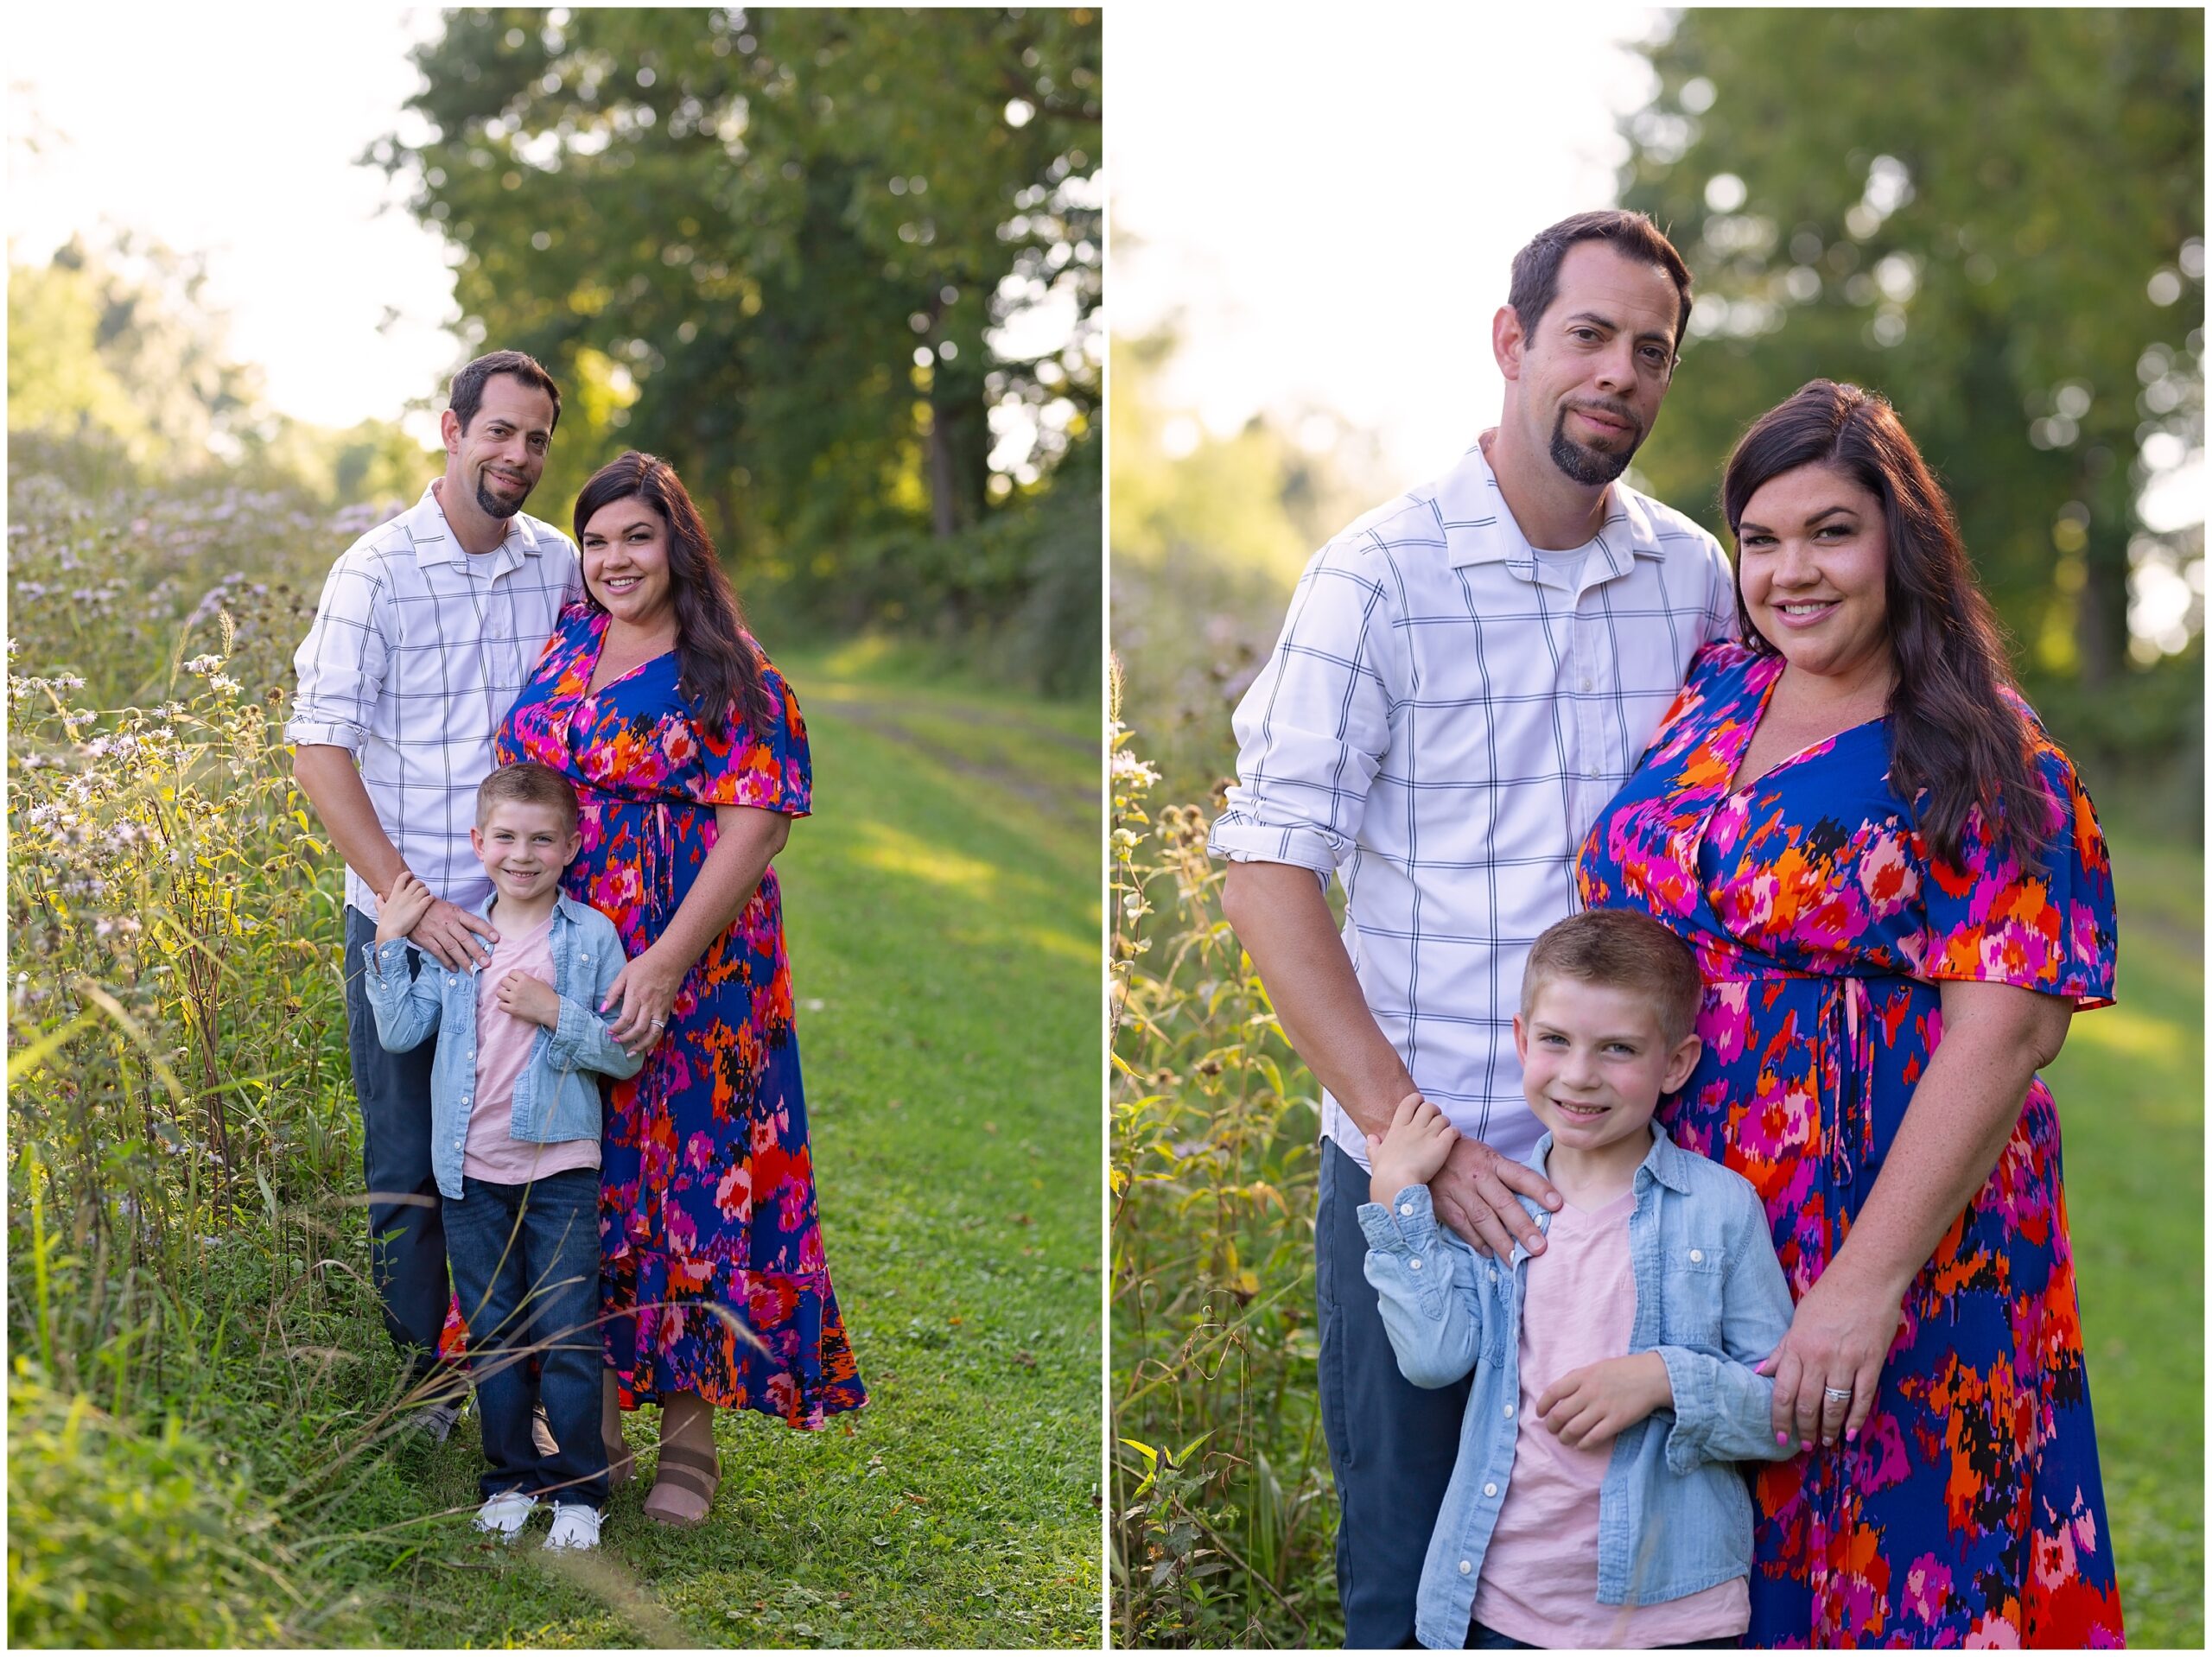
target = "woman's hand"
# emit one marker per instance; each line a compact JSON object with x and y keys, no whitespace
{"x":645,"y":991}
{"x":1837,"y":1341}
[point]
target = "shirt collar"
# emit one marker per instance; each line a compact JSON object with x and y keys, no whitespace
{"x":1478,"y":526}
{"x":563,"y":906}
{"x":436,"y":543}
{"x":1664,"y":1163}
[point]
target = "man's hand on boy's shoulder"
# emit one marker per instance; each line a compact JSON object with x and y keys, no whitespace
{"x":1588,"y":1406}
{"x":1475,"y":1196}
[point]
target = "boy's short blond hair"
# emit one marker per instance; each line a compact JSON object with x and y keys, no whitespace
{"x":527,"y":783}
{"x":1619,"y":949}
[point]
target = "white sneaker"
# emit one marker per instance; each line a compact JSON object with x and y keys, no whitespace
{"x":505,"y":1514}
{"x":575,"y":1525}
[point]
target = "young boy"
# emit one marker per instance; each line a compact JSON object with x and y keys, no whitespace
{"x":515,"y":1120}
{"x":1594,"y":1502}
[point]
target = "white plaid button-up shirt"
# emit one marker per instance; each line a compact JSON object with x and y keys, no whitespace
{"x":1442,"y":720}
{"x":417,"y":651}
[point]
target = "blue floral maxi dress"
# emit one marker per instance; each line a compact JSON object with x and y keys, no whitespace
{"x":1970,"y":1511}
{"x":710,"y":1251}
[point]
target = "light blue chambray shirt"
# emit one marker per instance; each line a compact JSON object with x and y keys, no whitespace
{"x":557,"y":1096}
{"x":1673,"y":1516}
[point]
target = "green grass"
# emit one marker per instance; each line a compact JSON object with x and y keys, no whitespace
{"x":2130,"y":1104}
{"x":944,"y":934}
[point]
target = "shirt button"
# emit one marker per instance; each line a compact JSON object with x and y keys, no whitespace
{"x":1405,"y":1208}
{"x":1509,"y":1412}
{"x":1489,"y":1489}
{"x":1696,"y":1255}
{"x":1466,"y":1569}
{"x":1414,"y":1262}
{"x":1586,"y":684}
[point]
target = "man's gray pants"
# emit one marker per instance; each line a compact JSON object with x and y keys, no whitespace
{"x":1391,"y":1444}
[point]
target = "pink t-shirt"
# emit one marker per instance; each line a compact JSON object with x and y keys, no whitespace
{"x":503,"y":1044}
{"x":1540,"y":1574}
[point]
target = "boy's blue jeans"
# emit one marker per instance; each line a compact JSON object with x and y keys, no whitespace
{"x":525,"y":1264}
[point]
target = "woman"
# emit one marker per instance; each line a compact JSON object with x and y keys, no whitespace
{"x":689,"y":754}
{"x":1900,"y":895}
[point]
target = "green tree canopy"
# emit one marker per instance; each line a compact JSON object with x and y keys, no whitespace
{"x":1994,"y":218}
{"x":789,"y":250}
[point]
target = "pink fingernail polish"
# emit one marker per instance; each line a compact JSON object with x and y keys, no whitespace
{"x":1781,"y":1438}
{"x":1851,"y":1436}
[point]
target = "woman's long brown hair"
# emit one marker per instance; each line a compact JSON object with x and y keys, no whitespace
{"x":1955,"y":742}
{"x":716,"y":667}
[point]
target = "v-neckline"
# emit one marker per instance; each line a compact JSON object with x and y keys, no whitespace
{"x":599,"y":648}
{"x":1736,"y":787}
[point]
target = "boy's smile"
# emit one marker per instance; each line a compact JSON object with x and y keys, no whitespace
{"x":525,"y":847}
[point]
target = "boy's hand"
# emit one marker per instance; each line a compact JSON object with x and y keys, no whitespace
{"x":528,"y":998}
{"x":1599,"y":1401}
{"x":407,"y":903}
{"x":1412,"y":1153}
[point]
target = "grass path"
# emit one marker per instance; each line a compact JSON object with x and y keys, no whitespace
{"x":943,"y":934}
{"x":2131,"y":1103}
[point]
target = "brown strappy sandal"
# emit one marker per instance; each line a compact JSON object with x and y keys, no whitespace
{"x":695,"y":1473}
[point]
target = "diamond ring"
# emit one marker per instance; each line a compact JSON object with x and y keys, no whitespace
{"x":1839,"y":1394}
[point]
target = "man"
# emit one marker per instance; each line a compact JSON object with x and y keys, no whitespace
{"x":427,"y":629}
{"x":1465,"y":677}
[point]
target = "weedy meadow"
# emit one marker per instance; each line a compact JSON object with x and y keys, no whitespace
{"x":198,"y":1381}
{"x":1222,"y":1522}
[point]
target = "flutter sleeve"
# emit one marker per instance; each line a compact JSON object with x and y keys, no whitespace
{"x":2046,"y":922}
{"x":763,"y":763}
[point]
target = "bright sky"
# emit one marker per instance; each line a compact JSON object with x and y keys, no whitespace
{"x":231,"y":130}
{"x":1326,"y":200}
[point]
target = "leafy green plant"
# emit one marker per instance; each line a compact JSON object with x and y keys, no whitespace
{"x":1225,"y":1540}
{"x":120,"y":1539}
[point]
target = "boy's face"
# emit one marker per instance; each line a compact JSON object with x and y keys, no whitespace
{"x":1594,"y":1062}
{"x":524,"y":847}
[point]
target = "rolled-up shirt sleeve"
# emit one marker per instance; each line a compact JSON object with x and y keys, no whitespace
{"x":341,"y":662}
{"x":1313,"y":729}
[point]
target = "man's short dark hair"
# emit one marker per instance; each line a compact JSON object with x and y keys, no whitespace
{"x":1625,"y":949}
{"x":466,"y":395}
{"x":1535,"y":267}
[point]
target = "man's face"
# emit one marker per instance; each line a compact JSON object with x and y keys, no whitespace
{"x":1590,"y":374}
{"x":499,"y":459}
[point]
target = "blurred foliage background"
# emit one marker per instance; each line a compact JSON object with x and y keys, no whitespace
{"x":1995,"y":219}
{"x":841,"y":267}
